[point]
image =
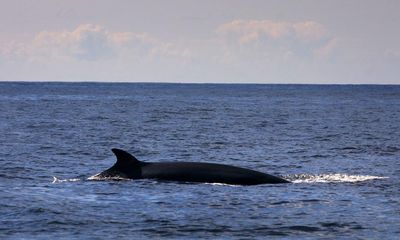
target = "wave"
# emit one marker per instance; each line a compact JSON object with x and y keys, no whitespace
{"x":330,"y":178}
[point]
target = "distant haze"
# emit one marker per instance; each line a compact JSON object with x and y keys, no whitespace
{"x":282,"y":41}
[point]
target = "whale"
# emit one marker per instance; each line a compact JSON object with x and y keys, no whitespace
{"x":128,"y":167}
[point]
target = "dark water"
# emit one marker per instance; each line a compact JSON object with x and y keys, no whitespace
{"x":340,"y":145}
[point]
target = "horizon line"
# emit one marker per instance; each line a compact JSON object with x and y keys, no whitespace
{"x":194,"y":83}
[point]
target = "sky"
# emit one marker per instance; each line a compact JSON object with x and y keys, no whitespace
{"x":207,"y":41}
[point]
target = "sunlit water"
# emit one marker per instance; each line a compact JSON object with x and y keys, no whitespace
{"x":339,"y":145}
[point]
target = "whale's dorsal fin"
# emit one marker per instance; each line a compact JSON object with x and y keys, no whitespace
{"x":124,"y":157}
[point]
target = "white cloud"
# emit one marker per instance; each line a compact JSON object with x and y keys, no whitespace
{"x":276,"y":51}
{"x":246,"y":31}
{"x":89,"y":42}
{"x":91,"y":52}
{"x":275,"y":41}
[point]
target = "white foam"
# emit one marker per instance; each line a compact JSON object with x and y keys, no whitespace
{"x":57,"y":180}
{"x":97,"y":177}
{"x":332,"y":178}
{"x":94,"y":177}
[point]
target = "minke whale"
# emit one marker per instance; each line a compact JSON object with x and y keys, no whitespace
{"x":128,"y":167}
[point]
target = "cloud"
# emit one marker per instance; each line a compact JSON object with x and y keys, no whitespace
{"x":247,"y":31}
{"x":86,"y":42}
{"x":92,"y":52}
{"x":90,"y":42}
{"x":266,"y":42}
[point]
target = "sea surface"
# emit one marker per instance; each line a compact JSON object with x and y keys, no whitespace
{"x":338,"y":144}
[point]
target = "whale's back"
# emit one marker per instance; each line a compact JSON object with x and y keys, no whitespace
{"x":206,"y":172}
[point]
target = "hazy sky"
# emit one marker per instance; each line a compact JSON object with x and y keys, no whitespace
{"x":282,"y":41}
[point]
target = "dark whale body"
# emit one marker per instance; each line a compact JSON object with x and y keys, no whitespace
{"x":127,"y":166}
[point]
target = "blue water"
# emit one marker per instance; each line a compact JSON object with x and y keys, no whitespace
{"x":340,"y":145}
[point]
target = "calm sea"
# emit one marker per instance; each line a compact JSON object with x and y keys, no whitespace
{"x":340,"y":145}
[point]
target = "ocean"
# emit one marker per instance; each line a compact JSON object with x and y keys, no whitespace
{"x":338,"y":144}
